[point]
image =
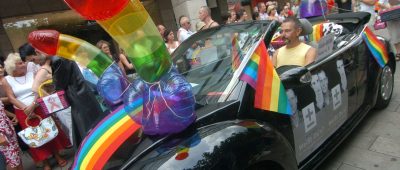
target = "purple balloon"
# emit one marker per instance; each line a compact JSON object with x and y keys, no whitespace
{"x":168,"y":105}
{"x":312,"y":8}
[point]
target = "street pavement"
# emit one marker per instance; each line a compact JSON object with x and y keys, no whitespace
{"x":28,"y":162}
{"x":374,"y":144}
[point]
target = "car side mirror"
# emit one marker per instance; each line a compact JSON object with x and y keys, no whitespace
{"x":294,"y":76}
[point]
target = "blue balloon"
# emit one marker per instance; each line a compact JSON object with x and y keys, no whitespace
{"x":111,"y":85}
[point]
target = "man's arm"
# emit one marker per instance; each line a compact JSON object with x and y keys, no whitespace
{"x":310,"y":56}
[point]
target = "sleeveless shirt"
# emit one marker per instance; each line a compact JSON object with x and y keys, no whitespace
{"x":22,"y":87}
{"x":292,"y":56}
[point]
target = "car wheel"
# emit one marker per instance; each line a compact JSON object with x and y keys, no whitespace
{"x":385,"y":91}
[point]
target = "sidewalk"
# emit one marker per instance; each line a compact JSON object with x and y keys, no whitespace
{"x":374,"y":144}
{"x":28,"y":162}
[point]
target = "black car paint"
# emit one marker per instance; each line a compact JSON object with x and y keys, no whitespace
{"x":271,"y":143}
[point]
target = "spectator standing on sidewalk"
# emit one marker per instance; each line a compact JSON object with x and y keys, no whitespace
{"x":161,"y":29}
{"x":393,"y":25}
{"x":18,"y":86}
{"x":290,"y":12}
{"x":9,"y":149}
{"x":170,"y":41}
{"x":104,"y":46}
{"x":184,"y":31}
{"x":366,"y":6}
{"x":205,"y":16}
{"x":343,"y":5}
{"x":262,"y":11}
{"x":28,"y":54}
{"x":233,"y":16}
{"x":242,"y":14}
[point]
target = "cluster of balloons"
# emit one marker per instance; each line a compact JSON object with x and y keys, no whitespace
{"x":168,"y":102}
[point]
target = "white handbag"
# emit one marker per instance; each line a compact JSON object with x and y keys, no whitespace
{"x":39,"y":135}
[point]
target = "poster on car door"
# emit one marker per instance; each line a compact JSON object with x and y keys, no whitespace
{"x":320,"y":108}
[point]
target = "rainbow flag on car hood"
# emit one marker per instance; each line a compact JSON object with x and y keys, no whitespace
{"x":376,"y":47}
{"x":261,"y":75}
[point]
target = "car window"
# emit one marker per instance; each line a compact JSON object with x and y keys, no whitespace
{"x":209,"y":59}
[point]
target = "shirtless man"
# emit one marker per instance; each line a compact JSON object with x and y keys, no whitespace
{"x":205,"y":16}
{"x":294,"y":52}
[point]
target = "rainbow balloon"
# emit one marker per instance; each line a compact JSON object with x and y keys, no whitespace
{"x":108,"y":136}
{"x":131,"y":26}
{"x":52,"y":42}
{"x":111,"y":132}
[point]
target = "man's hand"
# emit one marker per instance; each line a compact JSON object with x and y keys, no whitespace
{"x":14,"y":120}
{"x":12,"y":117}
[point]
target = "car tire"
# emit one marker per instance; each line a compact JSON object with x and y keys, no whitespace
{"x":385,"y":89}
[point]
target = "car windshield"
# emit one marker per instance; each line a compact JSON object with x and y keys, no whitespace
{"x":209,"y":58}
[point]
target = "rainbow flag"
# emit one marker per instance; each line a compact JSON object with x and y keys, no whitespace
{"x":318,"y":32}
{"x":249,"y":73}
{"x":376,"y":47}
{"x":270,"y":93}
{"x":236,"y":53}
{"x":108,"y":135}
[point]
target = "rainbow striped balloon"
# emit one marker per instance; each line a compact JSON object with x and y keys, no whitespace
{"x":130,"y":25}
{"x":52,"y":42}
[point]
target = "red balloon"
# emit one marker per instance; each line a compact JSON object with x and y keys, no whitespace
{"x":45,"y":41}
{"x":181,"y":156}
{"x":97,"y":9}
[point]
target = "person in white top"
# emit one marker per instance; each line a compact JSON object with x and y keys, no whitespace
{"x":18,"y":87}
{"x":262,"y":11}
{"x":184,"y":31}
{"x":28,"y":54}
{"x":170,"y":41}
{"x":392,"y":25}
{"x":364,"y":5}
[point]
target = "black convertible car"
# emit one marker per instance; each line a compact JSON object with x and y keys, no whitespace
{"x":329,"y":98}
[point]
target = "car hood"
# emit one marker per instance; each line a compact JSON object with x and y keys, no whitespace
{"x":139,"y":146}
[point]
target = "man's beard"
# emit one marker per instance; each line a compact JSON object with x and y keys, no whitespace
{"x":287,"y":41}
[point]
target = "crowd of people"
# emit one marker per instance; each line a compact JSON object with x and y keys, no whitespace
{"x":20,"y":88}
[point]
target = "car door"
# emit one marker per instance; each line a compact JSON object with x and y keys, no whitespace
{"x":362,"y":59}
{"x":321,"y":99}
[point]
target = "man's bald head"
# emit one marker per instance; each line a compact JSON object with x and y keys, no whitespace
{"x":204,"y":13}
{"x":184,"y":22}
{"x":206,"y":9}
